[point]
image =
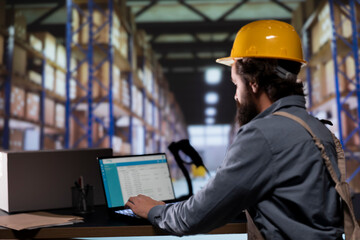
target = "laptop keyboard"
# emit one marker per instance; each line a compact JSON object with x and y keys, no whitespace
{"x":127,"y":212}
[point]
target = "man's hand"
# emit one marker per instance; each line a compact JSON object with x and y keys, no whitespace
{"x":142,"y":204}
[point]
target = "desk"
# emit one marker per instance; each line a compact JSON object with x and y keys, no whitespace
{"x":98,"y":224}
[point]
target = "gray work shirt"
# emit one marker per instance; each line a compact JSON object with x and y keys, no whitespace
{"x":274,"y":170}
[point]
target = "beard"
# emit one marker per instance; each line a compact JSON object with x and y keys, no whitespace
{"x":246,"y":110}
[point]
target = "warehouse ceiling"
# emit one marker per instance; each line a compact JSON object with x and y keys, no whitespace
{"x":187,"y":36}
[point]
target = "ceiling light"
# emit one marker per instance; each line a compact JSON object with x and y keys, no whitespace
{"x":213,"y":75}
{"x":210,"y":120}
{"x":210,"y":111}
{"x":211,"y":98}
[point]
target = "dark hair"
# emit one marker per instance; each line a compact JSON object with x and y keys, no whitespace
{"x":263,"y":72}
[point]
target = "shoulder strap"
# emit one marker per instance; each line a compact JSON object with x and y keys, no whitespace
{"x":252,"y":230}
{"x":351,"y":226}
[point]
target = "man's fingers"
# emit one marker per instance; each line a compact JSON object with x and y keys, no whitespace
{"x":129,"y":204}
{"x":131,"y":199}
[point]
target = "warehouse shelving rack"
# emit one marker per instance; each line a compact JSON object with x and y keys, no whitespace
{"x":103,"y":110}
{"x":338,"y":49}
{"x":338,"y":40}
{"x":89,"y":51}
{"x":10,"y":41}
{"x":9,"y":47}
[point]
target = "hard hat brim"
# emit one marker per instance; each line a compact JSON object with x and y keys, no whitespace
{"x":228,"y":61}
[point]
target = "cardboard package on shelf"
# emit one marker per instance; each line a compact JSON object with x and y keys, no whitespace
{"x":32,"y":106}
{"x":61,"y":56}
{"x":321,"y":31}
{"x":49,"y":44}
{"x":60,"y":115}
{"x":16,"y":139}
{"x":76,"y":130}
{"x":17,"y":102}
{"x":101,"y":36}
{"x":49,"y":78}
{"x":49,"y":112}
{"x":101,"y":75}
{"x":35,"y":42}
{"x":34,"y":77}
{"x":60,"y":83}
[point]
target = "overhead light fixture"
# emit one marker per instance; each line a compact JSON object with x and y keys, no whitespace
{"x":211,"y":98}
{"x":213,"y":75}
{"x":210,"y":120}
{"x":210,"y":111}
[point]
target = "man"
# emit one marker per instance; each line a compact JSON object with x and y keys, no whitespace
{"x":273,"y":168}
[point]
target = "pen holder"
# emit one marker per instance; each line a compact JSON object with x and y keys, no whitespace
{"x":82,"y":199}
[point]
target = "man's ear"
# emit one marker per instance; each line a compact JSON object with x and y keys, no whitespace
{"x":254,"y":87}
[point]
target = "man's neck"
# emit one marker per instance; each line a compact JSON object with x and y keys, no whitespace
{"x":263,"y":102}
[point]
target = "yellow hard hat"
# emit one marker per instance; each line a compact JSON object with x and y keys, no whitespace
{"x":266,"y":39}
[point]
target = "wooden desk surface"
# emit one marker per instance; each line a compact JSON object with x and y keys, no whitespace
{"x":99,"y":224}
{"x":103,"y":231}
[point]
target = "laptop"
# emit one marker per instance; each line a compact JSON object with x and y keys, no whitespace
{"x":126,"y":176}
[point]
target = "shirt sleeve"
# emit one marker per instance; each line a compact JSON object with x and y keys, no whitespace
{"x":244,"y":177}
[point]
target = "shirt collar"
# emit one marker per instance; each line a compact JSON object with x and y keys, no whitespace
{"x":294,"y":100}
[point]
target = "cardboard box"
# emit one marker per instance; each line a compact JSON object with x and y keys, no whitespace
{"x":60,"y":116}
{"x":77,"y":131}
{"x":102,"y":74}
{"x":49,"y":112}
{"x":61,"y":56}
{"x":116,"y":86}
{"x":49,"y":44}
{"x":34,"y":77}
{"x":17,"y":102}
{"x":98,"y":19}
{"x":32,"y":106}
{"x":16,"y":140}
{"x":75,"y":25}
{"x":39,"y":180}
{"x":35,"y":43}
{"x":60,"y":83}
{"x":125,"y":93}
{"x":330,"y":78}
{"x":73,"y":89}
{"x":49,"y":78}
{"x":83,"y":74}
{"x":49,"y":143}
{"x":124,"y":42}
{"x":19,"y":61}
{"x":321,"y":31}
{"x":350,"y":71}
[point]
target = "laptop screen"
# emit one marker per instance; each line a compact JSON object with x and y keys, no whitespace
{"x":126,"y":176}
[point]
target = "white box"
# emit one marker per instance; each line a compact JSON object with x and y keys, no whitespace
{"x":38,"y":180}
